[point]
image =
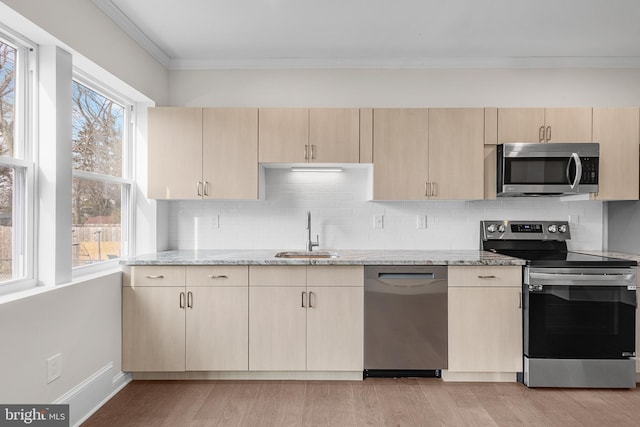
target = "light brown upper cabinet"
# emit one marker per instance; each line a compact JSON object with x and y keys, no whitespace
{"x":618,"y":132}
{"x":544,"y":125}
{"x":316,"y":135}
{"x":203,"y":153}
{"x":423,"y":154}
{"x":174,"y":153}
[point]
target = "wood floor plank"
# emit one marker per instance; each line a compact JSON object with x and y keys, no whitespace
{"x":374,"y":402}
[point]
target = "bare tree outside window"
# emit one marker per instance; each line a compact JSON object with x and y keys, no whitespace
{"x":98,"y":126}
{"x":8,"y":56}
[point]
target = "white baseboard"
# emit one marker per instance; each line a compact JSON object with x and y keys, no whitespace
{"x":501,"y":377}
{"x":88,"y":396}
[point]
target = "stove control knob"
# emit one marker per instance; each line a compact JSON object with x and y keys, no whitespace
{"x":501,"y":228}
{"x":491,"y":228}
{"x":562,"y":228}
{"x":552,"y":228}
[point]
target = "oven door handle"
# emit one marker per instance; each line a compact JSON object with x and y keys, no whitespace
{"x":616,"y":277}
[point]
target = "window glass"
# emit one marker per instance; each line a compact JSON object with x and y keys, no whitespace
{"x":8,"y":56}
{"x":100,"y":186}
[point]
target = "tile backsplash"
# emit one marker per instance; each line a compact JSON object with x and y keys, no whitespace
{"x":344,"y":219}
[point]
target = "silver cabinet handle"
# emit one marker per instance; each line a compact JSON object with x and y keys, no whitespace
{"x":487,"y":277}
{"x":426,"y":189}
{"x":311,"y":300}
{"x":306,"y":152}
{"x":206,"y":188}
{"x":434,"y":189}
{"x":548,"y":136}
{"x":159,"y":276}
{"x":541,"y":134}
{"x":313,"y":151}
{"x":189,"y":299}
{"x":181,"y":301}
{"x":519,"y":299}
{"x":304,"y":294}
{"x":199,"y":188}
{"x":221,"y":276}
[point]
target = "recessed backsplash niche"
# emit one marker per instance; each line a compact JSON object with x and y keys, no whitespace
{"x":344,"y":218}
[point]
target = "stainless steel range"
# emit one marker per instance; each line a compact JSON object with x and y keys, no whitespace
{"x":579,"y":310}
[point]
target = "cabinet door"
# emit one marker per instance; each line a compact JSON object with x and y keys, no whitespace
{"x":485,"y":329}
{"x":456,"y":153}
{"x":618,"y":132}
{"x":335,"y":330}
{"x":153,"y":329}
{"x":230,"y":153}
{"x":174,"y":153}
{"x":283,"y":135}
{"x":400,"y":153}
{"x":217,"y":336}
{"x":519,"y":124}
{"x":334,"y":135}
{"x":568,"y":124}
{"x":277,"y":328}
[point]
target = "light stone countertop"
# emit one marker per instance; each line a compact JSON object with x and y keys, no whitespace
{"x":346,"y":257}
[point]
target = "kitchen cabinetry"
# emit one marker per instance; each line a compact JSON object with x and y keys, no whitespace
{"x":544,"y":125}
{"x":485,"y":319}
{"x":197,"y":153}
{"x":428,"y":154}
{"x":618,"y":132}
{"x":316,"y":135}
{"x":306,"y":318}
{"x":178,"y":318}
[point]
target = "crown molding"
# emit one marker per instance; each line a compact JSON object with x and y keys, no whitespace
{"x":123,"y":21}
{"x":407,"y":63}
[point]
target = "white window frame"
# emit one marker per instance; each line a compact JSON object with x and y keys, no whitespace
{"x":23,"y":163}
{"x":127,"y":181}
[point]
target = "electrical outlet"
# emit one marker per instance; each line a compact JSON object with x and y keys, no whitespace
{"x":421,"y":221}
{"x":54,"y":367}
{"x":378,"y":221}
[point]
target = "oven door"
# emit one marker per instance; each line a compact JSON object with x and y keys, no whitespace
{"x":586,"y":313}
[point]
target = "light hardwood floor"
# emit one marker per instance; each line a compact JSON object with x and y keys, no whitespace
{"x":373,"y":402}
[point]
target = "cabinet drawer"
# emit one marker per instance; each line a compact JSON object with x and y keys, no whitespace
{"x":485,"y":275}
{"x":218,"y":275}
{"x":277,"y":275}
{"x":161,"y":275}
{"x":347,"y":275}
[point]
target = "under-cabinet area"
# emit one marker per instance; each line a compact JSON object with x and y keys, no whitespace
{"x":301,"y":321}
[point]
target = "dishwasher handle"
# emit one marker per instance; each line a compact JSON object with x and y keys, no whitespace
{"x":401,"y":276}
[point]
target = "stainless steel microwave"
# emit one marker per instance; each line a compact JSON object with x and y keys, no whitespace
{"x":553,"y":169}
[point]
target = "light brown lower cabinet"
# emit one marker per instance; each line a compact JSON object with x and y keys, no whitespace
{"x":485,"y":319}
{"x":173,"y":320}
{"x":306,"y":318}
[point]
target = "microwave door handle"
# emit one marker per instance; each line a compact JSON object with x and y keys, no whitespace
{"x":576,"y":158}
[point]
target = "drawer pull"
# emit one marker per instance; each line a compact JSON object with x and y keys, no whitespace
{"x":487,"y":277}
{"x":160,"y":276}
{"x":222,"y":276}
{"x":181,"y":300}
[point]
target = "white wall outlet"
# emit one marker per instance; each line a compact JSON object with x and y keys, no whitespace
{"x":421,"y":221}
{"x":574,"y":220}
{"x":378,"y":221}
{"x":54,"y":367}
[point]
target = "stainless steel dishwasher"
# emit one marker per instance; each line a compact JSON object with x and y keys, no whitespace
{"x":405,"y":321}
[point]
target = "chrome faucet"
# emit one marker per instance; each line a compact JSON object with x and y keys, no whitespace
{"x":311,"y":244}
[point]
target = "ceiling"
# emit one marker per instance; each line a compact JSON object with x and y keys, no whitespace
{"x":191,"y":34}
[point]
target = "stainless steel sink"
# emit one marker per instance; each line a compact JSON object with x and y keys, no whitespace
{"x":307,"y":254}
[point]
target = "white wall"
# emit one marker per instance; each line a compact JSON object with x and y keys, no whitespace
{"x":343,"y":217}
{"x":80,"y":321}
{"x":80,"y":27}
